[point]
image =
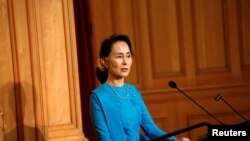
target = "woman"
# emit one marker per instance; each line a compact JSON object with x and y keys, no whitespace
{"x":117,"y":109}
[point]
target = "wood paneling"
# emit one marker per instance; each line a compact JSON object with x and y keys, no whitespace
{"x":55,"y":60}
{"x":244,"y":14}
{"x":164,"y":37}
{"x":40,"y":97}
{"x":193,"y":42}
{"x":209,"y":35}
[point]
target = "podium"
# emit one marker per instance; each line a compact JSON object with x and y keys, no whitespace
{"x":239,"y":131}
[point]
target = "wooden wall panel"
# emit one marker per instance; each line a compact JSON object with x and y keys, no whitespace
{"x":209,"y":35}
{"x":23,"y":86}
{"x":164,"y":38}
{"x":40,"y":97}
{"x":55,"y":61}
{"x":6,"y":76}
{"x":244,"y":10}
{"x":191,"y":42}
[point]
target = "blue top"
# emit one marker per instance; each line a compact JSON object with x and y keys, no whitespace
{"x":118,"y":114}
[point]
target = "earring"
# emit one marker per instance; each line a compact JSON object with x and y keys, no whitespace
{"x":100,"y":64}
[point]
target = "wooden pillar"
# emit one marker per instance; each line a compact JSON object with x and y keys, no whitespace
{"x":40,"y":97}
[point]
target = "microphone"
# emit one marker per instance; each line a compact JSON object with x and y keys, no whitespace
{"x":172,"y":84}
{"x":219,"y":97}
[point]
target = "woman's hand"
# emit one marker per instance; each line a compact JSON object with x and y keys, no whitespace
{"x":182,"y":139}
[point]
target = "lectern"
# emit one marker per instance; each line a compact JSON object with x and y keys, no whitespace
{"x":239,"y":131}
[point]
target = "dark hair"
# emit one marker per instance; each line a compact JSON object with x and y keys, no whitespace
{"x":105,"y":49}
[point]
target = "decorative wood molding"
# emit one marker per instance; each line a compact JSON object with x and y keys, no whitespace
{"x":40,"y":73}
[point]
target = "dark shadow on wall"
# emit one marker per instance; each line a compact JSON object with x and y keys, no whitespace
{"x":85,"y":62}
{"x":18,"y":102}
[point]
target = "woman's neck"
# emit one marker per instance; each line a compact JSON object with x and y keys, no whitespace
{"x":113,"y":82}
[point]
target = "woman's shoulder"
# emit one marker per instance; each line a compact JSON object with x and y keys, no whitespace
{"x":99,"y":89}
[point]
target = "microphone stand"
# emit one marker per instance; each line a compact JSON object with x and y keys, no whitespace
{"x":172,"y":84}
{"x":219,"y":97}
{"x":181,"y":131}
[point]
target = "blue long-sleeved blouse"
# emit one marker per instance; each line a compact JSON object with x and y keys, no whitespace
{"x":119,"y":114}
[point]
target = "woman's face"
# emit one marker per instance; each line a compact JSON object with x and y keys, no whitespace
{"x":119,"y":60}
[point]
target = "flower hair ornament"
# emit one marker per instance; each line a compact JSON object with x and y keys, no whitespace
{"x":100,"y":64}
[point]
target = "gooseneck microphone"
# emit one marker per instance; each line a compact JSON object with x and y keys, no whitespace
{"x":219,"y":97}
{"x":172,"y":84}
